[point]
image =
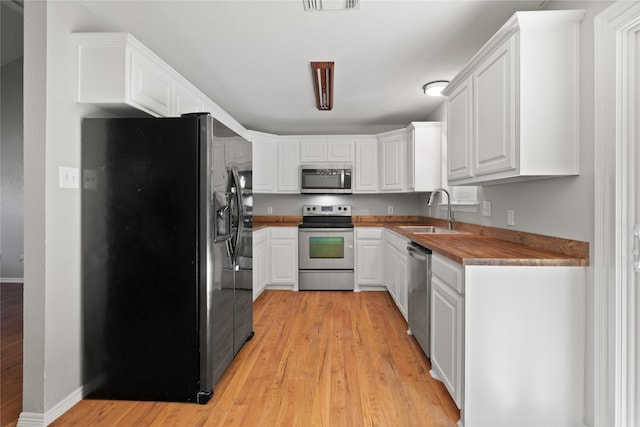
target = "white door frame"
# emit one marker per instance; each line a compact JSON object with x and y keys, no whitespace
{"x":615,"y":307}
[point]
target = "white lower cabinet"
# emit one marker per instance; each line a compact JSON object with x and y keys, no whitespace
{"x":395,"y":269}
{"x":261,"y":261}
{"x":284,"y":257}
{"x":508,"y":342}
{"x":447,"y":327}
{"x":275,"y":259}
{"x":368,"y":266}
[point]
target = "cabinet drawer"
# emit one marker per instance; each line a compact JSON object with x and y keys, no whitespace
{"x":449,"y":272}
{"x":369,"y":233}
{"x":283,"y":232}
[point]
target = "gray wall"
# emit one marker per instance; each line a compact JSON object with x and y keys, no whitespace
{"x":52,"y":291}
{"x":11,"y":174}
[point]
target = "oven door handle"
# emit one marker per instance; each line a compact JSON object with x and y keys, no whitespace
{"x":322,"y":230}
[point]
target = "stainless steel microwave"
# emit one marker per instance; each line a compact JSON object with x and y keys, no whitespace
{"x":323,"y":179}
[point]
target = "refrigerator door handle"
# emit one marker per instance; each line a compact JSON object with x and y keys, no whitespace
{"x":222,"y":224}
{"x":239,"y":229}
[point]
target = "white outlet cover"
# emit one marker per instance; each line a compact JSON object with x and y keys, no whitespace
{"x":486,"y":208}
{"x":511,"y":217}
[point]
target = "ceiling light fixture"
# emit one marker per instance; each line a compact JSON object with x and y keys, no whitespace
{"x":435,"y":88}
{"x":315,"y":5}
{"x":323,"y":84}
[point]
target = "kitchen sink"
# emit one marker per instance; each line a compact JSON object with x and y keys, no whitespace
{"x":429,"y":229}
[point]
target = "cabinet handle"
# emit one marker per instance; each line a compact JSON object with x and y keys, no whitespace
{"x":636,"y":248}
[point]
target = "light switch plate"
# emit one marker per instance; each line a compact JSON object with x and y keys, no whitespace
{"x":69,"y":177}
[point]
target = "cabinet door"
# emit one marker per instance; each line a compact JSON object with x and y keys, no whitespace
{"x":390,"y":266}
{"x":313,"y":151}
{"x":459,"y":128}
{"x":187,"y":100}
{"x":283,"y":266}
{"x":369,"y":262}
{"x":494,"y":112}
{"x":288,"y":167}
{"x":151,"y":87}
{"x":265,"y":165}
{"x":393,"y":162}
{"x":446,"y":337}
{"x":366,"y":167}
{"x":340,"y":151}
{"x":426,"y":156}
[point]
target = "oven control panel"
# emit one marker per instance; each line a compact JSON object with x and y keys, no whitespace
{"x":323,"y":210}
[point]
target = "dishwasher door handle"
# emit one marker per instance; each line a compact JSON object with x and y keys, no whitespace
{"x":416,"y":253}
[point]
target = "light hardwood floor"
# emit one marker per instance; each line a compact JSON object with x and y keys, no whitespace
{"x":10,"y":353}
{"x":317,"y":359}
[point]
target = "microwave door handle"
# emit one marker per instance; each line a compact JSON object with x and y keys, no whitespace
{"x":342,"y":178}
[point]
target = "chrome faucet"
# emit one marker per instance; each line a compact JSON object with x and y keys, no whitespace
{"x":449,"y":213}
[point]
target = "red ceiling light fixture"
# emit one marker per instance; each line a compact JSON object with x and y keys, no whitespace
{"x":323,"y":84}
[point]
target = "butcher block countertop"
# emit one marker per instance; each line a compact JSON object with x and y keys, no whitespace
{"x":480,"y":245}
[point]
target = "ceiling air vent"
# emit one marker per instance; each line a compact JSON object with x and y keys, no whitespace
{"x":313,"y":5}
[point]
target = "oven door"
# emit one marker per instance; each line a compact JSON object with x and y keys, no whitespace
{"x":325,"y":249}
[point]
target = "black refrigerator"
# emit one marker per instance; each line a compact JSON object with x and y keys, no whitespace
{"x":166,"y":256}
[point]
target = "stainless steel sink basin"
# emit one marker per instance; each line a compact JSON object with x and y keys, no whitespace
{"x":429,"y":229}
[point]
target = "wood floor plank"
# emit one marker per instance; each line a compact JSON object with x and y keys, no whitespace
{"x":317,"y":358}
{"x":11,"y":298}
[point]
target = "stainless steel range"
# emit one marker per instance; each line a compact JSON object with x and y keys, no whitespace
{"x":325,"y":248}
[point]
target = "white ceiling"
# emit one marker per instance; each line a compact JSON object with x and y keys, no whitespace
{"x":252,"y":57}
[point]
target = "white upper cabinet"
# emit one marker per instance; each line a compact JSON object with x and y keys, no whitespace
{"x":459,"y":114}
{"x":366,"y":166}
{"x":120,"y":74}
{"x":513,"y":111}
{"x":393,"y":158}
{"x":313,"y":150}
{"x":410,"y":159}
{"x":188,"y":100}
{"x":424,"y":156}
{"x":288,"y":166}
{"x":494,"y":112}
{"x":265,"y":162}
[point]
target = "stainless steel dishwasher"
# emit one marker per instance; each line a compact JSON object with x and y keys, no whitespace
{"x":419,"y":315}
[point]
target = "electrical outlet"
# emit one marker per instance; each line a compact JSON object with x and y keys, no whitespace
{"x":486,"y":208}
{"x":89,"y":179}
{"x":269,"y":210}
{"x":389,"y":210}
{"x":511,"y":217}
{"x":69,"y":177}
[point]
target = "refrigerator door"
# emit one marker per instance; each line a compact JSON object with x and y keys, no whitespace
{"x":217,"y":320}
{"x":141,"y":258}
{"x":243,"y":260}
{"x":238,"y":162}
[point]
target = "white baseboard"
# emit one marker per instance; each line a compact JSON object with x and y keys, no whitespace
{"x":11,"y":280}
{"x":36,"y":419}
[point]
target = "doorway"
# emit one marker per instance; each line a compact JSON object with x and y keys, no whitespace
{"x":617,"y":213}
